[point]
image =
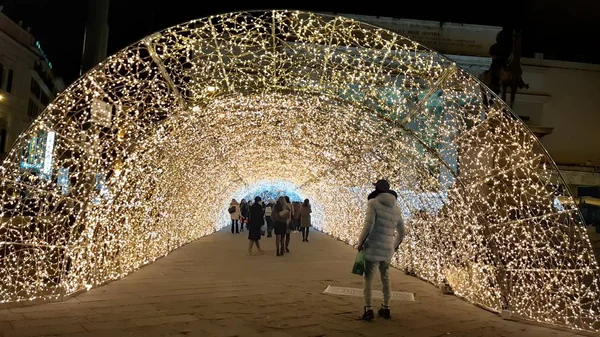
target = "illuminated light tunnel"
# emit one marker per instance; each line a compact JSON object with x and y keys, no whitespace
{"x":144,"y":152}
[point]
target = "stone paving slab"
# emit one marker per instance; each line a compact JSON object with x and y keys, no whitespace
{"x":211,"y":288}
{"x":376,"y":294}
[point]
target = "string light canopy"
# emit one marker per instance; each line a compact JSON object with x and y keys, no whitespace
{"x":144,"y":152}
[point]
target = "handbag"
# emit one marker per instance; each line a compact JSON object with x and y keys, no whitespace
{"x":359,"y":264}
{"x":231,"y":210}
{"x":284,"y":213}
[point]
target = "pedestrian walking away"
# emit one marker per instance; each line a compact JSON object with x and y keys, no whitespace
{"x":244,"y":210}
{"x":234,"y":212}
{"x":255,"y":222}
{"x":268,"y":219}
{"x":289,"y":222}
{"x":305,"y":222}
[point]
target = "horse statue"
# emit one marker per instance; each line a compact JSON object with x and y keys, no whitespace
{"x":505,"y":71}
{"x":485,"y":78}
{"x":511,"y":75}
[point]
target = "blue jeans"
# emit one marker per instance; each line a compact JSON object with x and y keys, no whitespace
{"x":384,"y":271}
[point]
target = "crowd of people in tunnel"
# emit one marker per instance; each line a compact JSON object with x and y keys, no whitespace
{"x":281,"y":217}
{"x":379,"y":240}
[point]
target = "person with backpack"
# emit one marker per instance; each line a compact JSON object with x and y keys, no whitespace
{"x":268,"y":210}
{"x":244,"y":211}
{"x":378,"y":241}
{"x":234,"y":212}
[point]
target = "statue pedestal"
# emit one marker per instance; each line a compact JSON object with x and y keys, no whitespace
{"x":538,"y":130}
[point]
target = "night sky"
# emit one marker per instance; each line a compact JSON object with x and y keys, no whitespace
{"x":567,"y":30}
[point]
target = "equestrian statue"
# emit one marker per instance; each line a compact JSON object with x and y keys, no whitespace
{"x":505,"y":71}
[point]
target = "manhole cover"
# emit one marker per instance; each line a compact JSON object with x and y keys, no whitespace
{"x":358,"y":292}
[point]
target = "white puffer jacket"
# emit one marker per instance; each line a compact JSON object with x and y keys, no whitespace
{"x":383,"y":219}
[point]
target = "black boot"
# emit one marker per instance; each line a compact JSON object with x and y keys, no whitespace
{"x":368,"y":314}
{"x":384,"y":312}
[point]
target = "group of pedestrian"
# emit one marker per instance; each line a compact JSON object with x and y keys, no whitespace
{"x":280,"y":217}
{"x":380,"y":238}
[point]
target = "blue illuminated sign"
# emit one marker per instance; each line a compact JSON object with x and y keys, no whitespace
{"x":63,"y":180}
{"x":39,"y":47}
{"x":39,"y":155}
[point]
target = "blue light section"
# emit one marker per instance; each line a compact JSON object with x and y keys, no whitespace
{"x":102,"y":188}
{"x":269,"y":189}
{"x":558,"y":205}
{"x":63,"y":180}
{"x":272,"y":190}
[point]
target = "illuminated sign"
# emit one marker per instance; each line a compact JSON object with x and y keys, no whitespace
{"x":31,"y":150}
{"x":39,"y":155}
{"x":39,"y":47}
{"x":49,"y":154}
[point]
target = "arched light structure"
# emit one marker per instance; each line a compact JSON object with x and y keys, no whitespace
{"x":142,"y":154}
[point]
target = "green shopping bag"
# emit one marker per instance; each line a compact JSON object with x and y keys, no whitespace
{"x":359,"y":264}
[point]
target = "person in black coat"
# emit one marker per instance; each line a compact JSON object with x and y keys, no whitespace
{"x":255,"y":222}
{"x":244,"y":211}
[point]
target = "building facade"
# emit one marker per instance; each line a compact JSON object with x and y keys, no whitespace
{"x":27,"y":83}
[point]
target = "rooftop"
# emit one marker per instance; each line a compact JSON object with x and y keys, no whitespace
{"x":16,"y":31}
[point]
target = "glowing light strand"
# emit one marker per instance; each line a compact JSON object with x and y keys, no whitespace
{"x":211,"y":109}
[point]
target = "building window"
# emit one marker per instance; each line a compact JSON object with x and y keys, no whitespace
{"x":45,"y":99}
{"x":32,"y":109}
{"x":9,"y":80}
{"x":38,"y":93}
{"x":45,"y":76}
{"x":2,"y":140}
{"x":1,"y":75}
{"x":35,"y":88}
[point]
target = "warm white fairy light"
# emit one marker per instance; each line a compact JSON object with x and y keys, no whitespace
{"x":202,"y":112}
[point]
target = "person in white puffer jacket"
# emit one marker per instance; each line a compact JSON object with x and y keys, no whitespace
{"x":378,"y":241}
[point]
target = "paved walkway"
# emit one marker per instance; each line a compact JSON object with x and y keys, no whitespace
{"x":211,"y":288}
